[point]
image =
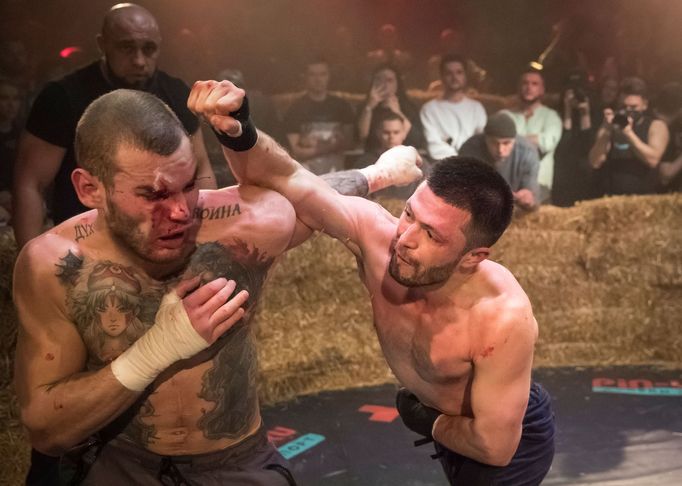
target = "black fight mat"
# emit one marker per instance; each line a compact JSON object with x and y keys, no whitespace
{"x":619,"y":426}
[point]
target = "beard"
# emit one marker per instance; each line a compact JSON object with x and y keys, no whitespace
{"x":530,"y":99}
{"x":126,"y":231}
{"x":118,"y":82}
{"x":421,"y":276}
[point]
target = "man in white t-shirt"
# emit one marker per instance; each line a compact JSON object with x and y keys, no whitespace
{"x":540,"y":125}
{"x":452,"y":118}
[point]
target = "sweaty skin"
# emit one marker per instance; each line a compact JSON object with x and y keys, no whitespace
{"x":99,"y":279}
{"x":91,"y":286}
{"x":456,"y":329}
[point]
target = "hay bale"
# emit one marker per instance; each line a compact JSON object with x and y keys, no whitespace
{"x":596,"y":298}
{"x":604,"y":278}
{"x":317,"y":333}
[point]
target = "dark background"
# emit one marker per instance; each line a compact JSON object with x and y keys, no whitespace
{"x":268,"y":39}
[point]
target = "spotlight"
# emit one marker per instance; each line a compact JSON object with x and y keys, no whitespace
{"x":69,"y":51}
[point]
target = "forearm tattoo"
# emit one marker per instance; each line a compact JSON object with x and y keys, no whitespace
{"x":348,"y":182}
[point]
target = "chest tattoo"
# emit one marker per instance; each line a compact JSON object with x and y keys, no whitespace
{"x":113,"y":304}
{"x":230,"y":384}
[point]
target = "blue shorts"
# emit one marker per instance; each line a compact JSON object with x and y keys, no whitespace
{"x":530,"y":463}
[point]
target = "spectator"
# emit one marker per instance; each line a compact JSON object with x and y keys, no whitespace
{"x":573,"y":176}
{"x":18,"y":67}
{"x":451,"y":119}
{"x":15,"y":63}
{"x":129,"y":43}
{"x":389,"y":131}
{"x":10,"y":127}
{"x":629,"y":144}
{"x":669,"y":109}
{"x":540,"y":125}
{"x":387,"y":93}
{"x":451,"y":41}
{"x":513,"y":156}
{"x":608,"y":92}
{"x":156,"y":410}
{"x":319,"y":125}
{"x":608,"y":98}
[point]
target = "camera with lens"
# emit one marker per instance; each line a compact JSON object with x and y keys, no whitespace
{"x":620,"y":118}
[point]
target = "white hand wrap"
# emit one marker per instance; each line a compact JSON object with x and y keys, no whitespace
{"x":170,"y":339}
{"x":396,"y":167}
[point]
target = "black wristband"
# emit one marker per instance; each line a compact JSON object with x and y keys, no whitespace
{"x":249,"y":135}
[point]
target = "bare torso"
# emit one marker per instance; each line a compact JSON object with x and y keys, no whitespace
{"x":433,"y":348}
{"x":210,"y":401}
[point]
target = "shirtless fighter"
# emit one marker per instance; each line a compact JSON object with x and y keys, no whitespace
{"x":134,"y":316}
{"x":456,"y":328}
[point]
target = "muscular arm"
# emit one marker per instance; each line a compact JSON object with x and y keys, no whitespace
{"x":266,"y":164}
{"x":61,"y":405}
{"x":650,"y":153}
{"x":205,"y":176}
{"x":36,"y":167}
{"x":499,"y":396}
{"x":346,"y":183}
{"x":317,"y":205}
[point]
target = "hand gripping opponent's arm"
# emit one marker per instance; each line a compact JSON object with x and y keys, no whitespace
{"x":186,"y":323}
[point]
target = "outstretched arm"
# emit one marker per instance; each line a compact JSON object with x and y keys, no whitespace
{"x":259,"y":160}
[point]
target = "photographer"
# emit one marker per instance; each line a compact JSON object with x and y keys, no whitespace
{"x":629,"y":144}
{"x":573,"y":176}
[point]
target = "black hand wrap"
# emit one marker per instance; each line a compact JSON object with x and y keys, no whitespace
{"x":249,"y":134}
{"x":416,"y":416}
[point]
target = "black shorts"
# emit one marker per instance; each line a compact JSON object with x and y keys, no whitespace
{"x":254,"y":461}
{"x":530,"y":463}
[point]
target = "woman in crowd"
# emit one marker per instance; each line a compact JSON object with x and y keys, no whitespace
{"x":387,"y":93}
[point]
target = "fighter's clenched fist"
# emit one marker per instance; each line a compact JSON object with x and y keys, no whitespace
{"x":225,"y":107}
{"x":214,"y":101}
{"x":190,"y":319}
